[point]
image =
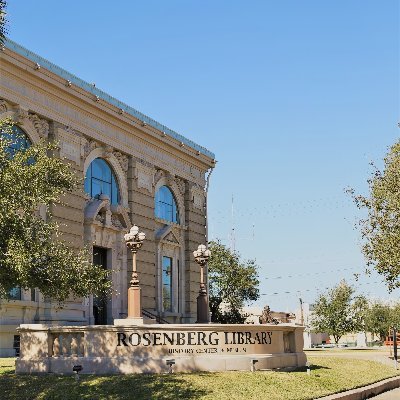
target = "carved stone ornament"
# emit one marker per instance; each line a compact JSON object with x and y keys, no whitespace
{"x":40,"y":124}
{"x":123,"y":160}
{"x":4,"y":106}
{"x":21,"y":114}
{"x":89,"y":146}
{"x":115,"y":220}
{"x":159,"y":174}
{"x":181,"y":185}
{"x":108,"y":152}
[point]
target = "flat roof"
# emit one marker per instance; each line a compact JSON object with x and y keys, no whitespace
{"x":10,"y":44}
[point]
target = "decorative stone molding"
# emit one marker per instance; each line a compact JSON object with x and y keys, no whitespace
{"x":108,"y":152}
{"x":144,"y":176}
{"x":89,"y":146}
{"x":158,"y":175}
{"x":170,"y":235}
{"x":100,"y":211}
{"x":181,"y":185}
{"x":40,"y":124}
{"x":21,"y":114}
{"x":90,"y":126}
{"x":4,"y":106}
{"x":123,"y":160}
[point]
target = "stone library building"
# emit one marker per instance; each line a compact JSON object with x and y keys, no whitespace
{"x":134,"y":170}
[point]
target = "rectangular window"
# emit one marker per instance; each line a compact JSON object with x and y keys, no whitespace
{"x":33,"y":294}
{"x":167,"y":283}
{"x":16,"y":345}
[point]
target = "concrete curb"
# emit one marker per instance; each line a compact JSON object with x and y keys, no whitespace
{"x":366,"y":392}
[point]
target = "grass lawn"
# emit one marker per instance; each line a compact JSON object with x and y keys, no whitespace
{"x":329,"y":375}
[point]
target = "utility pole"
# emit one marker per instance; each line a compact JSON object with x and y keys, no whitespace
{"x":301,"y":312}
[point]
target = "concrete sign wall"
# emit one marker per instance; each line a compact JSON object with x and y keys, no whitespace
{"x":147,"y":348}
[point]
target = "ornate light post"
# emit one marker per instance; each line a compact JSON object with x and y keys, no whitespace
{"x":201,"y":256}
{"x":134,"y":240}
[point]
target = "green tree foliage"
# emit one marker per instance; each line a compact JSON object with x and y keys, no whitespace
{"x":379,"y":319}
{"x":232,"y":282}
{"x":31,"y":255}
{"x":3,"y":21}
{"x":380,"y":229}
{"x":338,"y":312}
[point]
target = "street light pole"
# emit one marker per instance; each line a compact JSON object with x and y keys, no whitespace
{"x":201,"y":256}
{"x":134,"y":241}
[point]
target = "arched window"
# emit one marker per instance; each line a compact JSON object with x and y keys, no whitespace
{"x":100,"y":179}
{"x":166,"y":205}
{"x":19,"y":140}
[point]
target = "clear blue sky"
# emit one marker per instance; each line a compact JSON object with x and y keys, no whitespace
{"x":294,"y":97}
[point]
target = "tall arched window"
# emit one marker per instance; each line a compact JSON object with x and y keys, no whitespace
{"x":100,"y":179}
{"x":166,"y":205}
{"x":19,"y":140}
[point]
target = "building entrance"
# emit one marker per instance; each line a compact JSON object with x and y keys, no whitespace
{"x":100,"y":303}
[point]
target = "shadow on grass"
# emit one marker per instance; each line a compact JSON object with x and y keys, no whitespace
{"x":152,"y":386}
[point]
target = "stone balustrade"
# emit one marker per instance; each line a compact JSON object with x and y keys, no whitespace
{"x":66,"y":344}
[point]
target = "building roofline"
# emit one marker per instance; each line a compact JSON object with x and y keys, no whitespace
{"x":11,"y":45}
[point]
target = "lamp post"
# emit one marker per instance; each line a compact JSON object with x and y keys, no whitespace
{"x":201,"y":256}
{"x":134,"y":240}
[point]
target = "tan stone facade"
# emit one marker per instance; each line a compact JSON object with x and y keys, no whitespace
{"x":48,"y":103}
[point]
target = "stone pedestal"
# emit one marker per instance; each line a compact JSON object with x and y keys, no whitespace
{"x":203,"y":313}
{"x":134,"y":305}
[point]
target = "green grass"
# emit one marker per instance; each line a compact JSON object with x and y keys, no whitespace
{"x":329,"y":375}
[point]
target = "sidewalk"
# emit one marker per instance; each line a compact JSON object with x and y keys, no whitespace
{"x":391,"y":395}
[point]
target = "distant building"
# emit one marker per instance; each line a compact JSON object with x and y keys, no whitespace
{"x":135,"y":171}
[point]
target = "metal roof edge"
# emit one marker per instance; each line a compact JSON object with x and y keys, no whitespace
{"x":11,"y":45}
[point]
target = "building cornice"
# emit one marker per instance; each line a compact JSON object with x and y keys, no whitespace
{"x":73,"y":82}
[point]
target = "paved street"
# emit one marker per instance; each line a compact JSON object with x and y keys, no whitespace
{"x":391,"y":395}
{"x":379,"y":355}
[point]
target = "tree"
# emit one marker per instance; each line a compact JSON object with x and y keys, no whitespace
{"x":338,"y":312}
{"x":232,"y":282}
{"x":380,"y":229}
{"x":3,"y":21}
{"x":31,"y":253}
{"x":379,"y":319}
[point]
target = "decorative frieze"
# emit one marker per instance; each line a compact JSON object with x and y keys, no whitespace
{"x":90,"y":126}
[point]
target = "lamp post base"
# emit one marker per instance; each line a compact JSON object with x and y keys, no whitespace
{"x":203,"y":314}
{"x":134,"y":304}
